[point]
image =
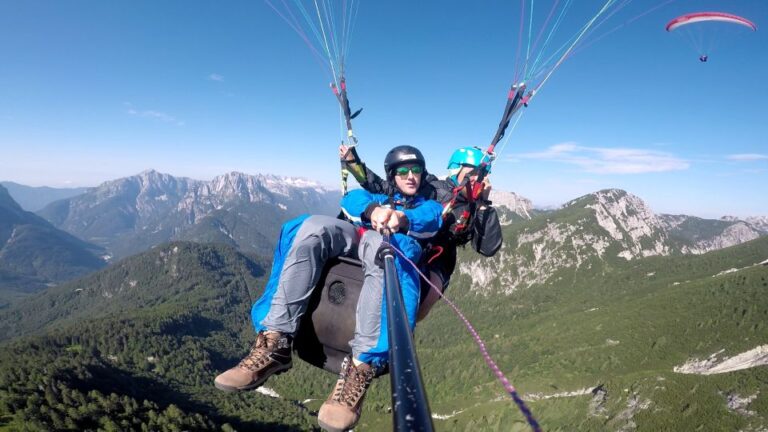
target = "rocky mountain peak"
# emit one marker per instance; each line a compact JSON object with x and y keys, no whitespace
{"x":149,"y":173}
{"x":258,"y":187}
{"x":282,"y":185}
{"x":238,"y":185}
{"x":514,"y":202}
{"x":152,"y":178}
{"x":147,"y":185}
{"x":627,"y":219}
{"x":613,"y":194}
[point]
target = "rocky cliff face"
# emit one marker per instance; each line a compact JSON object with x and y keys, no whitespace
{"x":697,"y":236}
{"x":629,"y":221}
{"x":514,"y":205}
{"x":597,"y":228}
{"x":759,"y":223}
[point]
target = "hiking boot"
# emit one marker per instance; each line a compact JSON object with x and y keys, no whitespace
{"x":270,"y":354}
{"x":342,"y":409}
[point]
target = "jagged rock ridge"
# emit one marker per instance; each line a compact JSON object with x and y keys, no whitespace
{"x":131,"y":214}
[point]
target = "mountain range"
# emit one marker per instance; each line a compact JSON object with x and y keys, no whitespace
{"x":605,"y":315}
{"x":606,"y":226}
{"x":132,"y":214}
{"x":129,"y":215}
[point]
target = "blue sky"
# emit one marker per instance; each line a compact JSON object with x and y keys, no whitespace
{"x":91,"y":91}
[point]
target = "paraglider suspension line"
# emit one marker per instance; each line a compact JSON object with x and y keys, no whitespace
{"x":481,"y":345}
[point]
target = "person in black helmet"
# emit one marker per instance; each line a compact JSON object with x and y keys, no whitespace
{"x":482,"y":229}
{"x":305,"y":245}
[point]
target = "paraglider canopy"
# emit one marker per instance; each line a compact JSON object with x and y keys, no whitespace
{"x":706,"y":30}
{"x":709,"y":16}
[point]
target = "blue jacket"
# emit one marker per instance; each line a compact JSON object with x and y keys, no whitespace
{"x":424,"y":216}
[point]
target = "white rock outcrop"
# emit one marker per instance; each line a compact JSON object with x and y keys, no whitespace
{"x":714,"y":365}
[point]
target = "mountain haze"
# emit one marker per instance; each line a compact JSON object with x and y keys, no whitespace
{"x":35,"y":198}
{"x":34,"y":254}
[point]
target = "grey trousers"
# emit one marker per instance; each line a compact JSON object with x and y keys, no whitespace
{"x":318,"y":239}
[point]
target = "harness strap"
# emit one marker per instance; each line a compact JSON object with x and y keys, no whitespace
{"x":439,"y":251}
{"x":361,"y":231}
{"x":341,"y":96}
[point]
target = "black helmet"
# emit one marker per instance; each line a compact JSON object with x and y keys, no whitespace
{"x":401,"y":155}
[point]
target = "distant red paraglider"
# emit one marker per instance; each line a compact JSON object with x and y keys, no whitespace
{"x":699,"y":34}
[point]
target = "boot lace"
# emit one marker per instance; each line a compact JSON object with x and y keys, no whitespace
{"x":260,"y":352}
{"x":352,"y":385}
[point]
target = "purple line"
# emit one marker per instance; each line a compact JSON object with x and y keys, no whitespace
{"x":544,"y":26}
{"x":519,"y":42}
{"x":486,"y":356}
{"x":294,"y":24}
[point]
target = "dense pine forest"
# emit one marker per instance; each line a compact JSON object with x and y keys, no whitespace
{"x":136,"y":347}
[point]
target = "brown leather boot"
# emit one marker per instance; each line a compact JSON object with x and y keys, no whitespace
{"x":270,"y":354}
{"x":342,"y":409}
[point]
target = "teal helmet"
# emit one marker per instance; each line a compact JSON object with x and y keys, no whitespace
{"x":466,"y":156}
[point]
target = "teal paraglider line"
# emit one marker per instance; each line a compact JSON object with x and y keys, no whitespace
{"x":528,"y":48}
{"x":568,"y":51}
{"x":332,"y":23}
{"x":555,"y":26}
{"x":622,"y":25}
{"x":544,"y":26}
{"x":293,"y":23}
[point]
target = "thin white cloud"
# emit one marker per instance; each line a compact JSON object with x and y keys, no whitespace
{"x":154,"y":115}
{"x":216,"y":77}
{"x":747,"y":157}
{"x":600,"y":160}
